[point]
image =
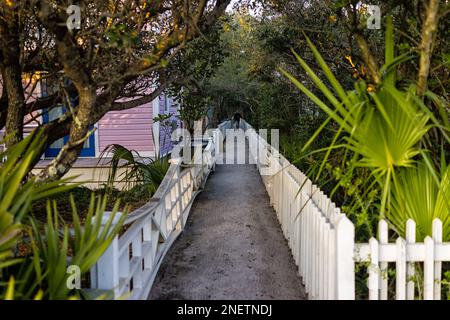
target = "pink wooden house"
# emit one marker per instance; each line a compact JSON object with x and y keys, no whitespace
{"x":134,"y":129}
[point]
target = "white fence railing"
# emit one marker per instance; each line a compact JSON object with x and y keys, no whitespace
{"x":129,"y":266}
{"x":407,"y":256}
{"x":322,"y":238}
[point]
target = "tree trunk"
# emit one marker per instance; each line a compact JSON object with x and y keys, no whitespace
{"x":15,"y":111}
{"x":426,"y":45}
{"x":12,"y":78}
{"x":79,"y":133}
{"x":368,"y":58}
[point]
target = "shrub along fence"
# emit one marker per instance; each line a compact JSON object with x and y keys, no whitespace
{"x":322,"y":238}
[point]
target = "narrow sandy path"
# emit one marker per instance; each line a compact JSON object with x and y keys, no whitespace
{"x":232,"y":247}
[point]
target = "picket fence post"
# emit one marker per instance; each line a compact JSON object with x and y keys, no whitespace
{"x":383,"y":239}
{"x":106,"y":272}
{"x":428,"y":269}
{"x":410,"y":269}
{"x":400,"y":282}
{"x":374,"y":273}
{"x":345,"y":265}
{"x":437,"y":237}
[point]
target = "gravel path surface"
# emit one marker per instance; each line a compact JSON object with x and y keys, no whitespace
{"x":232,"y":247}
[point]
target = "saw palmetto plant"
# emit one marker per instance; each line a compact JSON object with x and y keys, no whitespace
{"x":385,"y":130}
{"x":419,"y":195}
{"x":133,"y":171}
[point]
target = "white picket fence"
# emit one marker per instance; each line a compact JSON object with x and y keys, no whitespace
{"x":406,"y":254}
{"x":129,"y":266}
{"x":322,"y":239}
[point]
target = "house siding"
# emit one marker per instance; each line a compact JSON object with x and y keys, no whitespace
{"x":130,"y":128}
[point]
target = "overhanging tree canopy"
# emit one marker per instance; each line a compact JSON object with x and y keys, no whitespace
{"x":117,"y":60}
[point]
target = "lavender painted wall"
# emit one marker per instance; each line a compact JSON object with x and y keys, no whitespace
{"x":167,"y":105}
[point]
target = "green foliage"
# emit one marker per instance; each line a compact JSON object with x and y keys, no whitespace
{"x":417,"y":196}
{"x":195,"y":66}
{"x":57,"y":246}
{"x":140,"y":176}
{"x":384,"y":130}
{"x":121,"y":36}
{"x":446,"y":285}
{"x":17,"y":196}
{"x":193,"y":108}
{"x":34,"y":256}
{"x":166,"y":121}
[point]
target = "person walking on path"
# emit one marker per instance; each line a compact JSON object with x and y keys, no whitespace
{"x":236,"y":120}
